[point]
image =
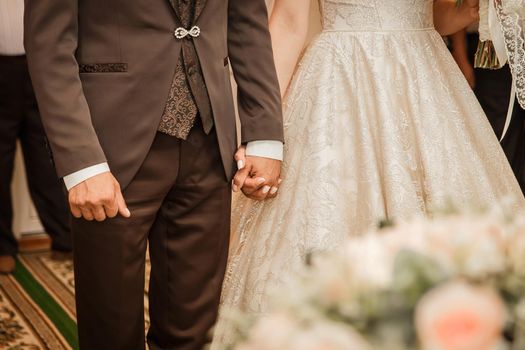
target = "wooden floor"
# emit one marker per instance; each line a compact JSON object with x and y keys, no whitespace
{"x":34,"y":243}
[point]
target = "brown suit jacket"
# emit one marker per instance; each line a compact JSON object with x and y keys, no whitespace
{"x":102,"y":70}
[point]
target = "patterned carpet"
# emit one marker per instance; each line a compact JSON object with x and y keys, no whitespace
{"x":37,"y":305}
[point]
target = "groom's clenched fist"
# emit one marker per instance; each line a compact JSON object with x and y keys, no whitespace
{"x":98,"y":198}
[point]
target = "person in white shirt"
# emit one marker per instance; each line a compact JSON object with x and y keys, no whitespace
{"x":493,"y":89}
{"x":20,"y":120}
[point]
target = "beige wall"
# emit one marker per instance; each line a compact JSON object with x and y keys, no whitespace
{"x":25,"y":219}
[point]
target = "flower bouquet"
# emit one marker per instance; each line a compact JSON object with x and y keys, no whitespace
{"x":456,"y":282}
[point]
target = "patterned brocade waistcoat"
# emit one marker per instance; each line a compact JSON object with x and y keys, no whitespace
{"x":188,"y":96}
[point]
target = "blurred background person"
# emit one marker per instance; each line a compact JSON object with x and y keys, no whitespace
{"x":20,"y":120}
{"x":492,"y":88}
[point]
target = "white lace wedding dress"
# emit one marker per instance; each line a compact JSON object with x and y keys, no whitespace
{"x":379,"y":123}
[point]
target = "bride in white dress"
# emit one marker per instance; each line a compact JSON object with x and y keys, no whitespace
{"x":379,"y":124}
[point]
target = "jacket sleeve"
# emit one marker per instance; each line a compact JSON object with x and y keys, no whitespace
{"x":50,"y":38}
{"x":251,"y":56}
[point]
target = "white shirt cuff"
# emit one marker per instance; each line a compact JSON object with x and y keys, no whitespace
{"x":266,"y":149}
{"x":82,"y":175}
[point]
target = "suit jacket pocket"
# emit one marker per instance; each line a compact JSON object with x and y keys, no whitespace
{"x":103,"y":67}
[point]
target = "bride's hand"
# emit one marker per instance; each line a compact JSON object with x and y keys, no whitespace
{"x":240,"y":158}
{"x":449,"y":18}
{"x":471,"y":8}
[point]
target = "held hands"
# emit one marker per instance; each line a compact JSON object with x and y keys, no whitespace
{"x":257,"y":177}
{"x":98,"y":198}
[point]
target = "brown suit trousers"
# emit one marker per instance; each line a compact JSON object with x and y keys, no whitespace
{"x":180,"y":203}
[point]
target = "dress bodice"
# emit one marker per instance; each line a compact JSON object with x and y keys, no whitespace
{"x":377,"y":15}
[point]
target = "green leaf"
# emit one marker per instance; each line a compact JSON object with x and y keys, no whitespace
{"x":415,"y":274}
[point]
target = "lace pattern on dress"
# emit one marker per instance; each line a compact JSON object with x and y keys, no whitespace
{"x":366,"y":15}
{"x":511,"y":15}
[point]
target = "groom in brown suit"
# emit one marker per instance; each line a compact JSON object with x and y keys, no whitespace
{"x":136,"y":101}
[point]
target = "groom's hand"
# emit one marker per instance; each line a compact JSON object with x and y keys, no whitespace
{"x":257,"y":177}
{"x":98,"y":198}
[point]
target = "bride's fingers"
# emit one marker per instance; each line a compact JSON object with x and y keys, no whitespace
{"x":252,"y":185}
{"x":273,"y":192}
{"x":240,"y":157}
{"x":262,"y":193}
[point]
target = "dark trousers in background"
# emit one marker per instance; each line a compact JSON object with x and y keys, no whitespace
{"x":20,"y":120}
{"x":180,"y":202}
{"x":493,"y":92}
{"x":514,"y":144}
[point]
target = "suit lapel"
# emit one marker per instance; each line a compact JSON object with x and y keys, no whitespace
{"x":199,"y":6}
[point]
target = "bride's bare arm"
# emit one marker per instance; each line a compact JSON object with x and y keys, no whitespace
{"x":289,"y":30}
{"x":449,"y":18}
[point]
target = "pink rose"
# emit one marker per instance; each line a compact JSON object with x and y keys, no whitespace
{"x":459,"y":316}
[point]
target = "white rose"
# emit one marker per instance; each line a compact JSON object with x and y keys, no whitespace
{"x":473,"y":246}
{"x":369,"y":262}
